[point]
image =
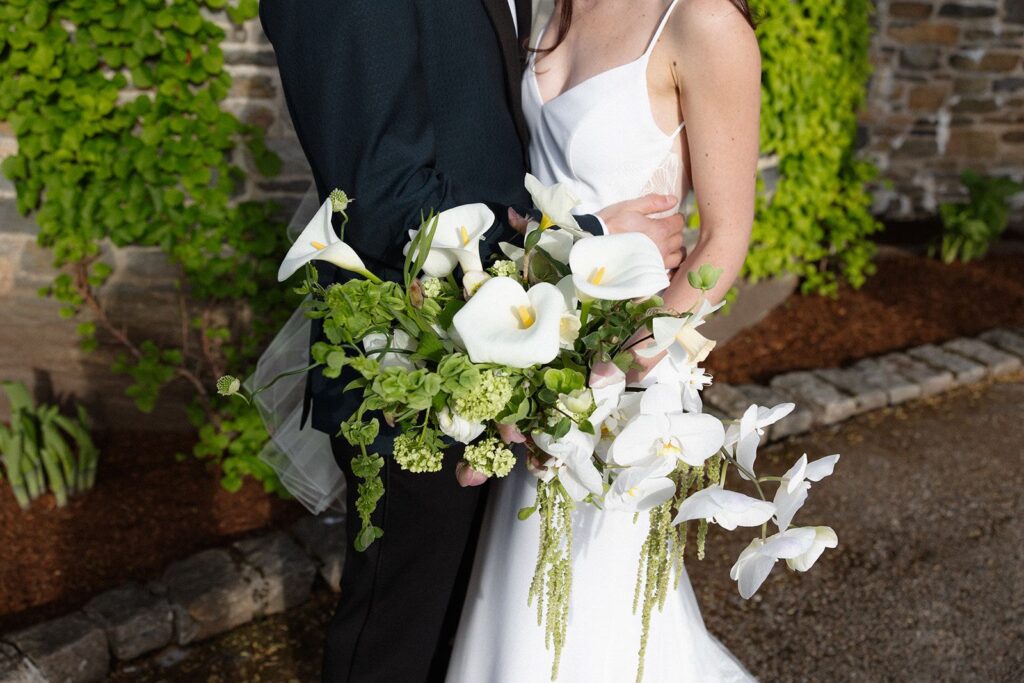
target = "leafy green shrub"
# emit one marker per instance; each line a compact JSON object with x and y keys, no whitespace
{"x":817,"y":223}
{"x":122,"y":140}
{"x":35,"y":452}
{"x":969,"y":228}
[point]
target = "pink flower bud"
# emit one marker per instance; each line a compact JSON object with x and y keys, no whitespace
{"x":467,"y":476}
{"x":605,"y":374}
{"x":511,"y":434}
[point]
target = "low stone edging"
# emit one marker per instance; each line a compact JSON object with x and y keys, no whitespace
{"x":204,"y":595}
{"x":220,"y":589}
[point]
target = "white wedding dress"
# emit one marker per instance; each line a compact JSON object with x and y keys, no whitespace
{"x":600,"y":138}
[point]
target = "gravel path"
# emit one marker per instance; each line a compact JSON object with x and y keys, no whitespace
{"x":926,"y":585}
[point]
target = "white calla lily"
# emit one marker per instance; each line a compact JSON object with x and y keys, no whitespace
{"x":638,"y":489}
{"x":617,"y":267}
{"x":458,"y":427}
{"x":556,"y":203}
{"x":571,"y":462}
{"x":319,"y":242}
{"x":503,"y":323}
{"x":727,"y":509}
{"x":679,"y":336}
{"x":795,"y":484}
{"x":824,"y":537}
{"x":745,"y":435}
{"x":457,"y":239}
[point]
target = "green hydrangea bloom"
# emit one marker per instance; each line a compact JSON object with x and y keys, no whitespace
{"x":490,"y":457}
{"x":432,"y":287}
{"x":414,"y":456}
{"x":486,"y":399}
{"x":504,"y":269}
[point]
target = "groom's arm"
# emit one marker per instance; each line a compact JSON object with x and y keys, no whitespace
{"x":355,"y":90}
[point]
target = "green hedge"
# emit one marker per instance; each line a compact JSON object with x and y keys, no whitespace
{"x":121,"y":137}
{"x":817,"y":223}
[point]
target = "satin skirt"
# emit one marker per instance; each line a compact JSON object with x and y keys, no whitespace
{"x":499,"y":640}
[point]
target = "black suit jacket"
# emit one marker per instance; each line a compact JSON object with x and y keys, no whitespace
{"x":408,"y":106}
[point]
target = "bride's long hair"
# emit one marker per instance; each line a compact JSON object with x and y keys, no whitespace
{"x":565,"y":19}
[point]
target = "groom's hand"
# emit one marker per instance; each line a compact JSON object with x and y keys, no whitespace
{"x":634,"y":216}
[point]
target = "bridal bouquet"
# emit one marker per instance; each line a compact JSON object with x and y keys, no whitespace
{"x":534,"y":350}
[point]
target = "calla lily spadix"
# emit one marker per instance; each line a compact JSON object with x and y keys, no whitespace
{"x":503,"y":323}
{"x":617,"y":267}
{"x":457,"y":239}
{"x":727,"y":509}
{"x":795,"y":484}
{"x":799,"y":546}
{"x":556,"y":203}
{"x":746,"y":435}
{"x":638,"y":489}
{"x":319,"y":242}
{"x":679,"y":336}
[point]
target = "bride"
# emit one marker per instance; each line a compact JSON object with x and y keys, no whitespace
{"x":622,"y":98}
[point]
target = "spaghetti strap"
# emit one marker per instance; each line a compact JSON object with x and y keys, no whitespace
{"x":661,"y":27}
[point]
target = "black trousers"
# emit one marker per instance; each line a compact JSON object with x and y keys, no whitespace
{"x":402,"y":597}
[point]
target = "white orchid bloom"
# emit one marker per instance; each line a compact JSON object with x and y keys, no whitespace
{"x":663,"y":433}
{"x":638,"y":489}
{"x":556,"y":203}
{"x":824,"y":537}
{"x":571,"y":462}
{"x":457,"y":239}
{"x":795,"y":484}
{"x":727,"y":509}
{"x":626,"y":408}
{"x":458,"y":427}
{"x":679,"y":336}
{"x":746,"y":435}
{"x":756,"y":561}
{"x":400,"y":340}
{"x":617,"y":267}
{"x":319,"y":242}
{"x":503,"y":323}
{"x":689,"y":378}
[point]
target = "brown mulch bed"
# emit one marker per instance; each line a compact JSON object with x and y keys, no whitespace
{"x":911,"y":300}
{"x":148,"y":509}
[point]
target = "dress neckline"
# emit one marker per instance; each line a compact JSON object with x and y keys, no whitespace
{"x":633,"y":62}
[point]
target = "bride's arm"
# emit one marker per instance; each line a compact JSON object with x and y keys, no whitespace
{"x":718,"y":71}
{"x":717,"y":68}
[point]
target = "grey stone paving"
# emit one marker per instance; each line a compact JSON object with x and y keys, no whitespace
{"x":927,"y":583}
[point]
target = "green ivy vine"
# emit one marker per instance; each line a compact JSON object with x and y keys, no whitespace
{"x":122,"y":140}
{"x":818,"y":222}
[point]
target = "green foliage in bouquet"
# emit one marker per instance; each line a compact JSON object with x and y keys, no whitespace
{"x":969,"y":228}
{"x":42,"y":450}
{"x":122,"y":141}
{"x":817,"y":221}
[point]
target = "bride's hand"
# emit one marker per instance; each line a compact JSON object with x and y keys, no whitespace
{"x":637,"y":374}
{"x":633,"y":215}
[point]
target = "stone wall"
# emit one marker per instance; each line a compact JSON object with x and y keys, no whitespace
{"x":39,"y":348}
{"x":947,"y":94}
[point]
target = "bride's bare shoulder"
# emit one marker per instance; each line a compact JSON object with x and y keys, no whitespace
{"x":705,"y":28}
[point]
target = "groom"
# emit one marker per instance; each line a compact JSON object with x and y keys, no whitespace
{"x":408,"y":106}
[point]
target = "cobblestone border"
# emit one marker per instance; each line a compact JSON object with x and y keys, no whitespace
{"x":220,"y":589}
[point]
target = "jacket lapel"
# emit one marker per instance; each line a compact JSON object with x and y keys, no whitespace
{"x":501,"y":17}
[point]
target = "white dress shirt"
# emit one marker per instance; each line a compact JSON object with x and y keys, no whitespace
{"x":515,"y":19}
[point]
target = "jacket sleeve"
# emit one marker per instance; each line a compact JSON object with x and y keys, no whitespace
{"x":352,"y":79}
